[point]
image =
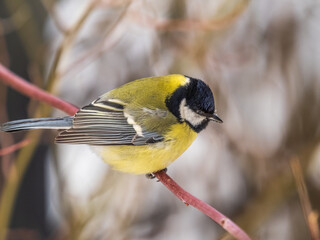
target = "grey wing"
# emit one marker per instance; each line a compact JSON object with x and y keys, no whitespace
{"x":106,"y":123}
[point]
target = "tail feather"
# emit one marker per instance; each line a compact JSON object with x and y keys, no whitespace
{"x":37,"y":123}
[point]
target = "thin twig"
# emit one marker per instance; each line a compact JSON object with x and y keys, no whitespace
{"x":188,"y":25}
{"x":100,"y":47}
{"x":310,"y":215}
{"x":34,"y":92}
{"x":189,"y":199}
{"x":12,"y":184}
{"x":67,"y":41}
{"x":53,"y":14}
{"x":14,"y":147}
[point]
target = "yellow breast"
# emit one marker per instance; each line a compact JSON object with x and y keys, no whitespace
{"x":150,"y":158}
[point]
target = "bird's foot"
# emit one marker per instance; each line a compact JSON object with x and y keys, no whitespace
{"x":152,"y":176}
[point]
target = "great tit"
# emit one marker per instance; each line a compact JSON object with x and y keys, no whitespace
{"x":140,"y":127}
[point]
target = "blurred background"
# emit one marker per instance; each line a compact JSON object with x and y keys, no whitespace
{"x":261,"y":167}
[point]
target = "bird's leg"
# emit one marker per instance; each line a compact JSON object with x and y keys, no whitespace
{"x":152,"y":176}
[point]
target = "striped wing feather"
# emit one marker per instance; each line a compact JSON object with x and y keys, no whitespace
{"x":104,"y":123}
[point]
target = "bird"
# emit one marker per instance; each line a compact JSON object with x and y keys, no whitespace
{"x":140,"y":127}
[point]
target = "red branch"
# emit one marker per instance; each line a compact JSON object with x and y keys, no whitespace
{"x":14,"y":147}
{"x":189,"y":199}
{"x":32,"y":91}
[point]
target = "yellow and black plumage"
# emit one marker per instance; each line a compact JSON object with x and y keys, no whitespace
{"x":140,"y":127}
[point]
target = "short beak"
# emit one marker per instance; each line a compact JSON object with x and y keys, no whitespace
{"x":216,"y":118}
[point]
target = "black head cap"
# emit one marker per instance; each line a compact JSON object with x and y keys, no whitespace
{"x":199,"y":104}
{"x":199,"y":96}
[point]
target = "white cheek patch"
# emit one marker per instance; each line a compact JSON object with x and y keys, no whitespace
{"x":135,"y":126}
{"x":189,"y":115}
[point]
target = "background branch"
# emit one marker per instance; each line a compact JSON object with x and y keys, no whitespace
{"x":34,"y":92}
{"x":68,"y":40}
{"x":311,"y":217}
{"x":186,"y":25}
{"x":14,"y":147}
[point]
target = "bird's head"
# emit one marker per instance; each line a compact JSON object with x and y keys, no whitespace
{"x":193,"y":103}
